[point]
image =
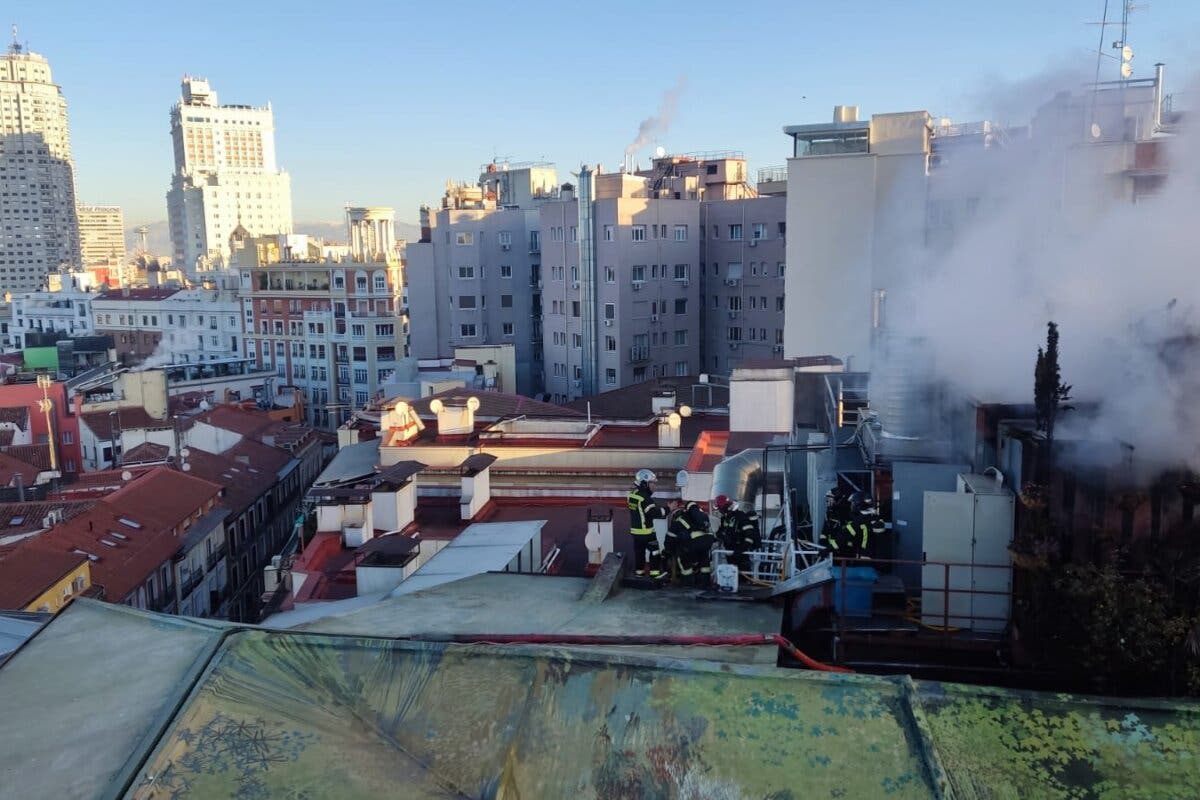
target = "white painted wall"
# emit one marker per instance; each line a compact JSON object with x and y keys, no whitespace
{"x":476,"y":491}
{"x":761,"y":400}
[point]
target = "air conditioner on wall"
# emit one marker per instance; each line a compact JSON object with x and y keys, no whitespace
{"x":686,"y":283}
{"x":608,"y":323}
{"x":754,"y":242}
{"x":506,"y":247}
{"x":731,"y":282}
{"x":574,"y":284}
{"x":637,"y":287}
{"x":654,"y":317}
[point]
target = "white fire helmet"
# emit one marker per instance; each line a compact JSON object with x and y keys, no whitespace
{"x":645,"y":476}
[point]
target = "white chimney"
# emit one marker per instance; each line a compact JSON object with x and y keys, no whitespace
{"x":662,"y":401}
{"x":399,"y":424}
{"x":476,"y":484}
{"x":668,"y":429}
{"x":455,"y":420}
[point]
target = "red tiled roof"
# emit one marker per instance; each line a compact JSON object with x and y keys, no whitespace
{"x":238,"y":420}
{"x":17,"y":415}
{"x":99,"y":483}
{"x":495,"y":405}
{"x":11,"y":467}
{"x":18,"y":518}
{"x":633,"y":401}
{"x":244,"y":481}
{"x":100,"y":422}
{"x":157,"y":503}
{"x":146,"y":452}
{"x":36,"y":454}
{"x":29,"y":571}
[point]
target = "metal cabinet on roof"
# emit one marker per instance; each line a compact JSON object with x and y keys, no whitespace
{"x":967,"y":578}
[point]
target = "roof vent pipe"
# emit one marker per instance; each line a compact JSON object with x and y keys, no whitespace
{"x":744,"y":476}
{"x":845,"y":113}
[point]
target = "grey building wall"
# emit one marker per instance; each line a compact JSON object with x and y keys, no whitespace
{"x":647,"y":321}
{"x":475,"y":283}
{"x":742,"y":308}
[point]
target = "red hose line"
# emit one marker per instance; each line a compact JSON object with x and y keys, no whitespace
{"x":738,"y":640}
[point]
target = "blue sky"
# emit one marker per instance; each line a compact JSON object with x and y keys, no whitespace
{"x":381,"y":102}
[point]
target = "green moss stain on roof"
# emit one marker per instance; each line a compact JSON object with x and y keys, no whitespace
{"x":996,"y":744}
{"x":346,"y":716}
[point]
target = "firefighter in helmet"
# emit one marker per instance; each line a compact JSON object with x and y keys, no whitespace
{"x":647,"y":559}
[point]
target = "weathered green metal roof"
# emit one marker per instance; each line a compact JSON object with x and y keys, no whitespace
{"x":285,"y":714}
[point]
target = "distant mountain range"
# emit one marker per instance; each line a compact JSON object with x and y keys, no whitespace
{"x":158,"y":235}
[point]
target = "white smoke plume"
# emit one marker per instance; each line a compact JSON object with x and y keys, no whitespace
{"x":167,"y":351}
{"x":661,"y":121}
{"x":1120,"y":278}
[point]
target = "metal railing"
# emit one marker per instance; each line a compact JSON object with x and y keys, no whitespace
{"x":947,"y":600}
{"x":189,"y":585}
{"x":215,"y":556}
{"x":772,"y":174}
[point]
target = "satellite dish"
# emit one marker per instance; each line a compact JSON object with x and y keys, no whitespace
{"x":436,"y":406}
{"x":184,"y":453}
{"x":1095,"y":130}
{"x":660,"y":151}
{"x":126,"y":475}
{"x":1126,"y":69}
{"x":204,"y":406}
{"x":1127,"y":53}
{"x":402,"y":407}
{"x":681,"y":478}
{"x":674,"y":420}
{"x":473,"y":403}
{"x":685,"y":411}
{"x":187,"y":467}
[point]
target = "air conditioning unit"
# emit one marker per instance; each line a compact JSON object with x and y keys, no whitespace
{"x":754,"y":242}
{"x":777,"y":348}
{"x":731,"y":282}
{"x":686,"y":283}
{"x":608,"y":323}
{"x":574,"y":284}
{"x":637,"y":286}
{"x":576,"y":385}
{"x":276,"y":562}
{"x":733,"y":314}
{"x":506,"y":247}
{"x":654,"y":317}
{"x":733,"y":345}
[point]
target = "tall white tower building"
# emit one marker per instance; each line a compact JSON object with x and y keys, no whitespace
{"x":38,"y":227}
{"x":225,"y":176}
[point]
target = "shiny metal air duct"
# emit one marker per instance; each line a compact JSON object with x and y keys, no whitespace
{"x":742,"y":477}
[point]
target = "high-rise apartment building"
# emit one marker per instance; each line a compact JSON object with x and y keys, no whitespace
{"x":225,"y":176}
{"x":37,"y":177}
{"x":671,"y":271}
{"x":474,"y":278}
{"x":335,"y":329}
{"x":101,"y":236}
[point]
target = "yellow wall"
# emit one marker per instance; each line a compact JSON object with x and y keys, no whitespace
{"x":53,"y":598}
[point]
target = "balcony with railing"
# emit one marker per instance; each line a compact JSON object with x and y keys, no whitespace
{"x":190,"y":583}
{"x":215,"y":557}
{"x":639,"y":353}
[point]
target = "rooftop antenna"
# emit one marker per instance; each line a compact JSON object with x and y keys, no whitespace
{"x":15,"y":47}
